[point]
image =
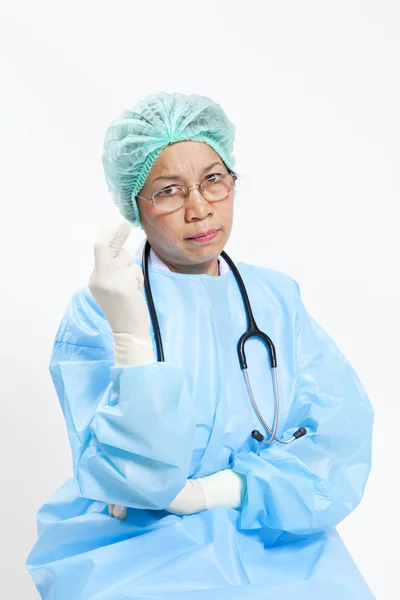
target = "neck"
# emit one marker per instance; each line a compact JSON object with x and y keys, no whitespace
{"x":207,"y":268}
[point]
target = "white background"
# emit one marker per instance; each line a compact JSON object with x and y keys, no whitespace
{"x":313,"y":88}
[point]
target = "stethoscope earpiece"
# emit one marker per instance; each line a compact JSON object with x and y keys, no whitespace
{"x":299,"y":433}
{"x":257,"y":435}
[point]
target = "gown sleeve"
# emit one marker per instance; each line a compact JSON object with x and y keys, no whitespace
{"x":131,"y":428}
{"x":314,"y":482}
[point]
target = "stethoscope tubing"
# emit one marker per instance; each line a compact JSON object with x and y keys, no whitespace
{"x":252,"y":331}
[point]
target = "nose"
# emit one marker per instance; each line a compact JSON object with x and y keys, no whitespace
{"x":197,"y":207}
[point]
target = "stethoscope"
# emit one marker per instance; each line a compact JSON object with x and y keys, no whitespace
{"x":252,"y":331}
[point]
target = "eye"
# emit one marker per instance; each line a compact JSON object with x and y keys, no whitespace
{"x":168,"y":191}
{"x":213,"y":177}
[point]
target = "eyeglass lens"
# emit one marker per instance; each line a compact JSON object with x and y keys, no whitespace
{"x":216,"y":187}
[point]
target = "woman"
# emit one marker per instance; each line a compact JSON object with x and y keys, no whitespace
{"x":172,"y":497}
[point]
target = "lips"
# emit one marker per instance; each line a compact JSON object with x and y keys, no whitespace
{"x":203,"y":234}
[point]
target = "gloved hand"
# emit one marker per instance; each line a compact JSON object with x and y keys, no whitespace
{"x":115,"y":510}
{"x":116,"y":284}
{"x":222,"y":489}
{"x":190,"y":499}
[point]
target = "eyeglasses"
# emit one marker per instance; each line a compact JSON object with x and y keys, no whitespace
{"x":215,"y":187}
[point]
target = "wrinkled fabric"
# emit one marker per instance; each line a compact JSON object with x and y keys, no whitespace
{"x":137,"y":433}
{"x":134,"y":140}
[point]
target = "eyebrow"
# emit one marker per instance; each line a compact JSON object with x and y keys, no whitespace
{"x":174,"y":177}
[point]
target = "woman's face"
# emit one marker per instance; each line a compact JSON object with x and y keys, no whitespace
{"x":169,"y":232}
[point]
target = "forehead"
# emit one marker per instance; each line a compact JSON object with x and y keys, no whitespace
{"x":184,"y":156}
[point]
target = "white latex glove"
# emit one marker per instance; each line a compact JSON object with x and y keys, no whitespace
{"x":222,"y":489}
{"x":115,"y":510}
{"x":116,"y":284}
{"x":189,"y":500}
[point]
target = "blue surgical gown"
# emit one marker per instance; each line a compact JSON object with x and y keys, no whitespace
{"x":138,"y":432}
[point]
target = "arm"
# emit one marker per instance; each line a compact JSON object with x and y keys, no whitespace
{"x":130,"y":427}
{"x":312,"y":483}
{"x":223,"y":489}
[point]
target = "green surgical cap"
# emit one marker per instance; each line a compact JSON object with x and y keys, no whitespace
{"x":134,"y":141}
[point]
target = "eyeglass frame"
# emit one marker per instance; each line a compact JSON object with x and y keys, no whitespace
{"x":187,"y":188}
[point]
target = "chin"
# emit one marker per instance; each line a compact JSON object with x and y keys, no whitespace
{"x":204,"y":254}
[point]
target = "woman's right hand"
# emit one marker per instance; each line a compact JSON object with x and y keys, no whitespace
{"x":116,"y":284}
